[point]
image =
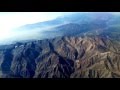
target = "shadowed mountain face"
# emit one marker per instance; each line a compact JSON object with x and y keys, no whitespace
{"x":73,"y":46}
{"x":63,"y":57}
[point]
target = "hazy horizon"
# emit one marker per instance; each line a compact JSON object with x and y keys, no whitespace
{"x":11,"y":20}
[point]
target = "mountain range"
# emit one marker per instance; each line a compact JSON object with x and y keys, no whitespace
{"x":79,"y":45}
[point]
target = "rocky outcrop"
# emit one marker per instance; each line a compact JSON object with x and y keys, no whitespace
{"x":62,"y":57}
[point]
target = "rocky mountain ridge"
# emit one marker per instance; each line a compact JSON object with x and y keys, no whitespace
{"x":62,"y":57}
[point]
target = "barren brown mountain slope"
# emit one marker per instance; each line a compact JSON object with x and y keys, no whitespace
{"x":63,"y":57}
